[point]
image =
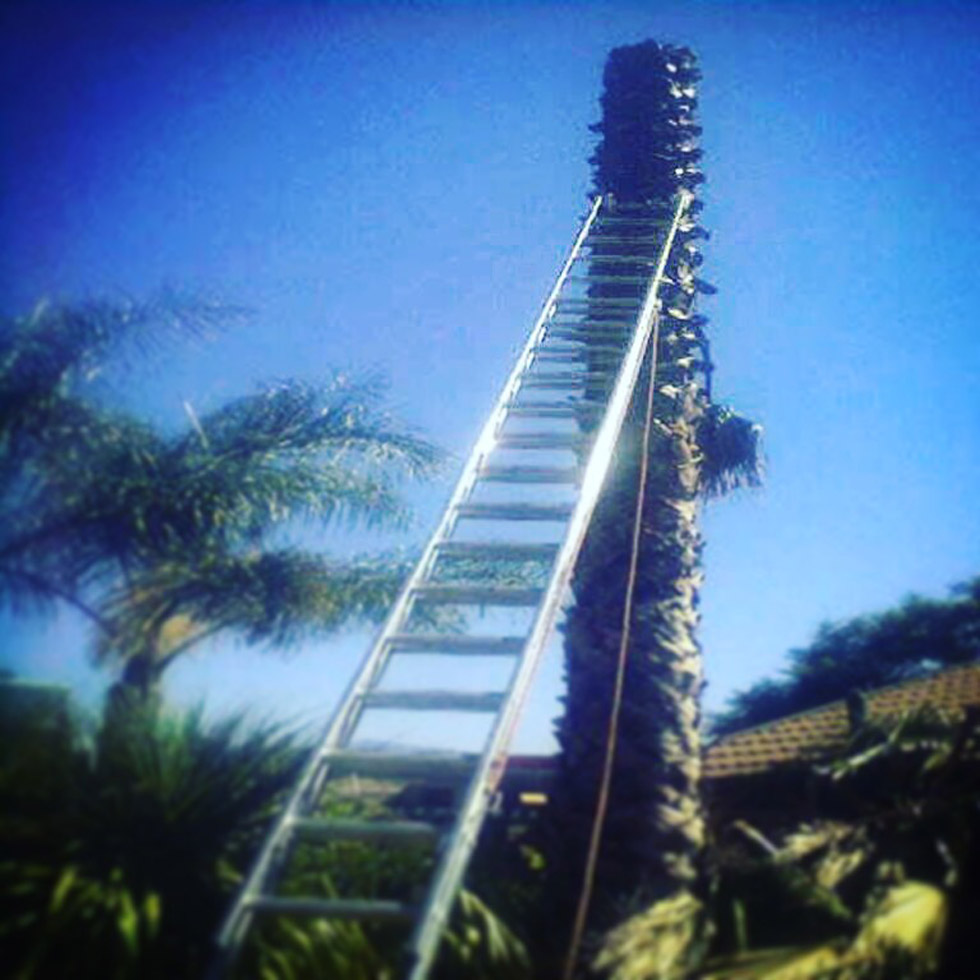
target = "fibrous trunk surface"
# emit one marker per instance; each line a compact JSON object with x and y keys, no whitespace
{"x":654,"y":828}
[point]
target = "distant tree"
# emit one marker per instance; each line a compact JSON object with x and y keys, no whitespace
{"x":164,"y":539}
{"x":864,"y":653}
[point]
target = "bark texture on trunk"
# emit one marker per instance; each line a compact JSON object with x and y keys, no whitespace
{"x":654,"y":830}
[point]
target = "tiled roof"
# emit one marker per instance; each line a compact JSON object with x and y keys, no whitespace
{"x":789,"y":739}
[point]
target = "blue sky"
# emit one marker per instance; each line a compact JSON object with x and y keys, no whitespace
{"x":392,"y":186}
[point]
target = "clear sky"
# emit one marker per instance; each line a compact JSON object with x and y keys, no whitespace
{"x":392,"y":186}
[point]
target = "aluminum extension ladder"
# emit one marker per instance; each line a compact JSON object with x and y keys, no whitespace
{"x":576,"y":318}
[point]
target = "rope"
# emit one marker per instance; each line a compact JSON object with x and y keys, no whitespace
{"x":612,"y":730}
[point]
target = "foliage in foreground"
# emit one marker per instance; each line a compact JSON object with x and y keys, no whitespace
{"x":865,"y":653}
{"x":123,"y":852}
{"x":477,"y":945}
{"x":864,"y":865}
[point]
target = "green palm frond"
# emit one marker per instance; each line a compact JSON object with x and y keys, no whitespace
{"x":125,"y":855}
{"x":479,"y":945}
{"x":339,"y":419}
{"x":123,"y":494}
{"x":732,"y":451}
{"x":273,"y":596}
{"x":284,"y":949}
{"x":658,"y":943}
{"x":145,"y":532}
{"x":46,"y":355}
{"x":64,"y":459}
{"x":66,"y":515}
{"x":900,"y":939}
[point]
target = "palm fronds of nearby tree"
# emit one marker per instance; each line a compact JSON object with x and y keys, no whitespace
{"x":863,"y":864}
{"x":123,"y":847}
{"x":119,"y":854}
{"x":654,"y":833}
{"x":48,"y":356}
{"x":50,"y":424}
{"x":477,"y":945}
{"x":164,"y":539}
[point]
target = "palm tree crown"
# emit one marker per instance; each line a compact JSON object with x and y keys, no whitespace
{"x":163,"y":539}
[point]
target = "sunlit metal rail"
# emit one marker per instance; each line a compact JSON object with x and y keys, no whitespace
{"x":576,"y":375}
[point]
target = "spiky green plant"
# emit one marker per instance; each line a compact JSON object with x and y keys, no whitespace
{"x":122,"y":848}
{"x":477,"y":944}
{"x":654,"y":832}
{"x":119,"y":853}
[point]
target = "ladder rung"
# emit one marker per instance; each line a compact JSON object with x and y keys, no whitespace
{"x":331,"y":908}
{"x":581,"y":320}
{"x":435,"y":700}
{"x":511,"y":550}
{"x":551,"y":410}
{"x":444,"y":766}
{"x":618,"y":209}
{"x":378,"y":831}
{"x":635,"y":232}
{"x":588,"y":334}
{"x":629,"y":226}
{"x":541,"y":440}
{"x":566,"y":384}
{"x":623,"y":208}
{"x":515,"y":512}
{"x":609,"y":346}
{"x":623,"y":303}
{"x":602,"y":279}
{"x":442,"y":643}
{"x":478,"y":595}
{"x":609,"y":332}
{"x":599,"y":239}
{"x":563,"y":379}
{"x":618,"y":259}
{"x":563,"y":355}
{"x":530,"y":474}
{"x":663,"y":222}
{"x":583,"y":306}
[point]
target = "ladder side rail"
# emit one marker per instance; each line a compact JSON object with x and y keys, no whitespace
{"x":455,"y":858}
{"x":464,"y":485}
{"x":377,"y":658}
{"x":239,"y":919}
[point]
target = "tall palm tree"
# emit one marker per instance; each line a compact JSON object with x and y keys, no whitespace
{"x":164,"y":539}
{"x":649,"y":866}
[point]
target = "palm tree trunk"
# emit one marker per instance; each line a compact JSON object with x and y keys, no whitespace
{"x":654,"y":828}
{"x":137,"y":694}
